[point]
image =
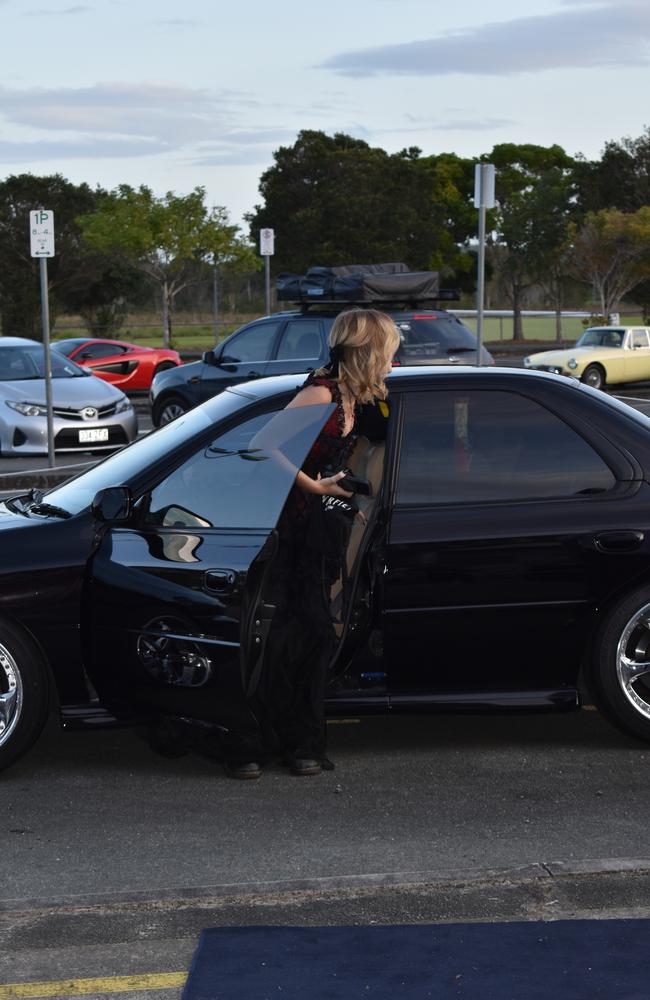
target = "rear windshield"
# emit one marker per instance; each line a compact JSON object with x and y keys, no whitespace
{"x":432,"y":337}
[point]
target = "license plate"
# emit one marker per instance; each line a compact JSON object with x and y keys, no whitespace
{"x":93,"y":434}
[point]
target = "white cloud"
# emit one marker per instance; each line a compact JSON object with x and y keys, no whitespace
{"x":92,"y":149}
{"x":62,"y":11}
{"x":584,"y":35}
{"x":154,"y":111}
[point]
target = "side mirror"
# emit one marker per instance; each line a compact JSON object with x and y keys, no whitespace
{"x":112,"y":505}
{"x":210,"y":357}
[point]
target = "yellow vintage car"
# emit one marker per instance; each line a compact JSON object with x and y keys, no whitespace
{"x":603,"y":354}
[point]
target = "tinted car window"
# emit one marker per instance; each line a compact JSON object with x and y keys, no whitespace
{"x":241,"y":478}
{"x":432,"y":337}
{"x":487,"y":445}
{"x":254,"y":343}
{"x":67,"y":346}
{"x":95,"y":351}
{"x":301,"y":340}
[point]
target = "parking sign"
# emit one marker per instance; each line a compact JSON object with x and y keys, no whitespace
{"x":41,"y":232}
{"x":267,"y":241}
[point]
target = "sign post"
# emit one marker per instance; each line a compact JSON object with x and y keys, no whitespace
{"x":215,"y":299}
{"x":267,"y":249}
{"x":484,"y":174}
{"x":41,"y":232}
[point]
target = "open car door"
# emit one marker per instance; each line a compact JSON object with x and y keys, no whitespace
{"x":175,"y":621}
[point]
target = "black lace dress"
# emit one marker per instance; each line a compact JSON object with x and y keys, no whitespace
{"x":302,"y":640}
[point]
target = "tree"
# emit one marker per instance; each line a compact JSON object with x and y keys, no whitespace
{"x":335,"y":199}
{"x":103,"y":293}
{"x":166,"y":238}
{"x":19,"y":280}
{"x":620,"y":179}
{"x":534,"y":194}
{"x":611,"y":251}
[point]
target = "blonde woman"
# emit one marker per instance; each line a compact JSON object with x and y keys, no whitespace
{"x":302,"y":639}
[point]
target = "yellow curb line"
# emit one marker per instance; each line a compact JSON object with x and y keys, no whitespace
{"x":81,"y":987}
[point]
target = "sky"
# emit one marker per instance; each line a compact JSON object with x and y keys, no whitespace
{"x":176,"y":95}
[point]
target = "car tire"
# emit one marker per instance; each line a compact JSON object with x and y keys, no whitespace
{"x":617,"y":679}
{"x":168,"y":409}
{"x":24,"y":693}
{"x":163,"y":366}
{"x":594,"y":375}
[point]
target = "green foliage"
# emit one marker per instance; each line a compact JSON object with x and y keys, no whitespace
{"x":167,"y":239}
{"x":19,"y":278}
{"x":335,"y":199}
{"x":535,"y":203}
{"x":619,"y":179}
{"x":611,"y":251}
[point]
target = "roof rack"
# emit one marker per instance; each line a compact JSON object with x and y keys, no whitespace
{"x":363,"y":285}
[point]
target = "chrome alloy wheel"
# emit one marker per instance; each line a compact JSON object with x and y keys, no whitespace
{"x":633,"y":661}
{"x":11,"y":694}
{"x":171,"y":411}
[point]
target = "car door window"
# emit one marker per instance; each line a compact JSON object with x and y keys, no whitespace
{"x":301,"y":341}
{"x":459,"y":447}
{"x":253,"y":344}
{"x":242,"y":477}
{"x":92,"y":352}
{"x":640,"y":339}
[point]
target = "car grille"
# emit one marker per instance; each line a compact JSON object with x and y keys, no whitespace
{"x":102,"y":412}
{"x":70,"y":439}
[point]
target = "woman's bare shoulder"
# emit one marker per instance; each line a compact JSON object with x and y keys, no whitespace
{"x":311,"y":395}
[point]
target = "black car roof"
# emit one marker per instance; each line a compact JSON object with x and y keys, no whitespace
{"x":406,"y":375}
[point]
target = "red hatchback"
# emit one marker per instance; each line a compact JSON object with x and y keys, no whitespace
{"x":125,"y":365}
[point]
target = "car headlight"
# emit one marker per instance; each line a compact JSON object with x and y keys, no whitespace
{"x":572,"y":363}
{"x":125,"y":404}
{"x":27,"y":409}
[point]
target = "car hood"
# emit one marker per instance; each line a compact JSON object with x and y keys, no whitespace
{"x":9,"y":519}
{"x":579,"y":353}
{"x":66,"y":392}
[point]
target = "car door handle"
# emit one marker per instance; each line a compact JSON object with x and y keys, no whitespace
{"x":619,"y":541}
{"x":219,"y":581}
{"x":253,"y":375}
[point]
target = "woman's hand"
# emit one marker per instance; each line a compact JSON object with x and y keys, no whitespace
{"x":330,"y":487}
{"x":322,"y":487}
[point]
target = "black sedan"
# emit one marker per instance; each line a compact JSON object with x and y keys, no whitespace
{"x":504,"y":560}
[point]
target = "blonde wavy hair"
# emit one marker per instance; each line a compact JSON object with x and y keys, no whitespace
{"x":367,"y":339}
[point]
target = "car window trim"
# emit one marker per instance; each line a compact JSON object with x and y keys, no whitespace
{"x":620,"y":484}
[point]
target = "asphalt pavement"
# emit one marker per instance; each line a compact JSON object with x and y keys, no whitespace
{"x":115,"y":858}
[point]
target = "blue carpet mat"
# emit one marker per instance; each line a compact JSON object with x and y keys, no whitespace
{"x":560,"y":960}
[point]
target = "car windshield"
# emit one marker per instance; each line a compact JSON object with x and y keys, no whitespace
{"x":77,"y":494}
{"x":67,"y":346}
{"x":426,"y":337}
{"x":602,"y":338}
{"x":18,"y":364}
